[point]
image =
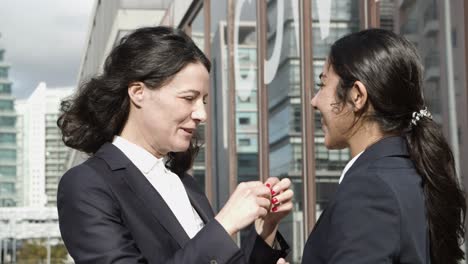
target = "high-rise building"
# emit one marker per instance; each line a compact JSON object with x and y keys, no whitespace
{"x":43,"y":154}
{"x":7,"y":138}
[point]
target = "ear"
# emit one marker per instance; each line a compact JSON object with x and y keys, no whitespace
{"x":135,"y":92}
{"x":358,"y":95}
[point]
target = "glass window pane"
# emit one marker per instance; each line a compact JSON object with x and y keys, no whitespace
{"x":198,"y":35}
{"x":6,"y":105}
{"x":7,"y":138}
{"x":282,"y":76}
{"x":331,"y":20}
{"x":5,"y":88}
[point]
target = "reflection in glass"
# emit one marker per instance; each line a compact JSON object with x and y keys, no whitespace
{"x":343,"y":19}
{"x":282,"y":76}
{"x":197,"y":35}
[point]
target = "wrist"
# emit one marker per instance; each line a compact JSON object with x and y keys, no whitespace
{"x":230,"y":229}
{"x":266,"y":230}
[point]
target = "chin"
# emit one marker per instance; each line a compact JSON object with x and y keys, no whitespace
{"x":181,"y":147}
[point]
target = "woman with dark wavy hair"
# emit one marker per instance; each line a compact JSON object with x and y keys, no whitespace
{"x":132,"y":201}
{"x":399,"y":199}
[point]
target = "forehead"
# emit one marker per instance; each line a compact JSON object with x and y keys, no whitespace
{"x":194,"y":76}
{"x":327,"y":70}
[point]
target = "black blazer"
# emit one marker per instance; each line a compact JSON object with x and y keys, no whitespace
{"x":377,"y":214}
{"x":110,"y":213}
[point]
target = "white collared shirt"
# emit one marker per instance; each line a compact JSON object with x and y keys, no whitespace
{"x":167,"y":183}
{"x":348,"y":165}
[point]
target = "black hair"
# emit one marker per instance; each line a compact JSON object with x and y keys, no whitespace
{"x":99,"y":109}
{"x":389,"y":67}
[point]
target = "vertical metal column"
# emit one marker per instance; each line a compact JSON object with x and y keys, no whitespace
{"x":370,"y":13}
{"x":453,"y":124}
{"x":209,"y":114}
{"x":262,"y":93}
{"x":232,"y":149}
{"x":308,"y":147}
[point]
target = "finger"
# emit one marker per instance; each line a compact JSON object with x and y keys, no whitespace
{"x":250,"y":184}
{"x":281,"y":261}
{"x":262,"y":191}
{"x":262,"y":212}
{"x":283,"y":197}
{"x":284,"y":184}
{"x":284,"y":207}
{"x":263,"y":202}
{"x":272,"y":181}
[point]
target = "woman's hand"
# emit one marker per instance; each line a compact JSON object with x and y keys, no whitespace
{"x":282,"y":261}
{"x":281,"y":205}
{"x":250,"y":201}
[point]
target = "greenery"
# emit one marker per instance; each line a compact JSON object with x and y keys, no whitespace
{"x":35,"y":252}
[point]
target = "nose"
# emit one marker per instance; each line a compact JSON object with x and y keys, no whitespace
{"x":199,"y":113}
{"x":313,"y":102}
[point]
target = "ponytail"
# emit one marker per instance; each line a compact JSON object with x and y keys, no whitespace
{"x":444,"y":198}
{"x":95,"y":115}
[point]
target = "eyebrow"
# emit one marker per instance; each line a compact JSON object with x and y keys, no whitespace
{"x":190,"y":91}
{"x":193,"y":91}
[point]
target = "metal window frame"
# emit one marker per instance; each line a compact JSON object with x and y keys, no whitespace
{"x":262,"y":93}
{"x":370,"y":13}
{"x":308,"y":129}
{"x":232,"y":148}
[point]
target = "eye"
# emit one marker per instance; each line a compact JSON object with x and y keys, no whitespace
{"x":319,"y":85}
{"x":189,"y":98}
{"x":205,"y":100}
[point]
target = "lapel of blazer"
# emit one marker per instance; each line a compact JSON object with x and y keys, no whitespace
{"x":389,"y":146}
{"x":386,"y":147}
{"x":197,"y":198}
{"x":142,"y":188}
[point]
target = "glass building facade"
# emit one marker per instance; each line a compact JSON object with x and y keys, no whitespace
{"x":8,"y":150}
{"x":266,"y":61}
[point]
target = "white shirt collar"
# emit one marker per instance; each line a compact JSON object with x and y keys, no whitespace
{"x":348,"y":165}
{"x":143,"y":160}
{"x":166,"y":183}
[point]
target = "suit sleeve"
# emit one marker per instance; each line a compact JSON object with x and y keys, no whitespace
{"x":256,"y":250}
{"x":90,"y":221}
{"x":365,"y":223}
{"x":93,"y":231}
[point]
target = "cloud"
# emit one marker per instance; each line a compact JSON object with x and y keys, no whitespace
{"x":44,"y":41}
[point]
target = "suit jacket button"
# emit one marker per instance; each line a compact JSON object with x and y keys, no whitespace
{"x":213,"y":261}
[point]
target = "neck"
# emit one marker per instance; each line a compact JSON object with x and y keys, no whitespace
{"x":131,"y":133}
{"x":366,"y":136}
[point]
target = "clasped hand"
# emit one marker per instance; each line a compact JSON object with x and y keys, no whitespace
{"x":263,"y":203}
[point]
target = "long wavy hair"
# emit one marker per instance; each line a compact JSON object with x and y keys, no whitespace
{"x":390,"y":68}
{"x":99,"y":109}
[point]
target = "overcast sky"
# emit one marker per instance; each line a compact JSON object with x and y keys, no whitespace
{"x":44,"y":41}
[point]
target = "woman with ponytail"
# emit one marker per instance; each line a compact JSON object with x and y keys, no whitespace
{"x":399,"y":199}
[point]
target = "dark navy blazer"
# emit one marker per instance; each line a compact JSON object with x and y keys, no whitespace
{"x":377,"y":214}
{"x":110,"y":213}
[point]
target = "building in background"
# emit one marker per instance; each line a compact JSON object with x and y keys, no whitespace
{"x":423,"y":23}
{"x":19,"y":225}
{"x":8,"y":193}
{"x":42,"y":156}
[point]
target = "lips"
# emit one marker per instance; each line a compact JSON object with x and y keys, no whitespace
{"x":189,"y":130}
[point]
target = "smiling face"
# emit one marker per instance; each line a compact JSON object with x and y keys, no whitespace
{"x":337,"y":119}
{"x":164,"y":119}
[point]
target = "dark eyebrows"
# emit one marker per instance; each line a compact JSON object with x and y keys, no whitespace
{"x":190,"y":91}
